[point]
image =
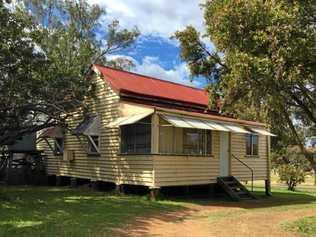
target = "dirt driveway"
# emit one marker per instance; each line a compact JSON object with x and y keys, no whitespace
{"x":231,"y":219}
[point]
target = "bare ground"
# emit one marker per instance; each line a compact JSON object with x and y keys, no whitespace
{"x":246,"y":219}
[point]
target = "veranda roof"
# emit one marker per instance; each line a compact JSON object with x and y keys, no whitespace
{"x":186,"y":122}
{"x":262,"y":132}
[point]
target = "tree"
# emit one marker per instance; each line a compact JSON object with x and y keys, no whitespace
{"x":46,"y":49}
{"x":291,"y":174}
{"x":291,"y":166}
{"x":264,"y":61}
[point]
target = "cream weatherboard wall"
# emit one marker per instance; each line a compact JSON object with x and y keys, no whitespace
{"x":172,"y":170}
{"x":258,"y":163}
{"x":109,"y":166}
{"x":150,"y":170}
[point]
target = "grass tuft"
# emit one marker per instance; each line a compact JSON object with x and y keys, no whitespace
{"x":305,"y":226}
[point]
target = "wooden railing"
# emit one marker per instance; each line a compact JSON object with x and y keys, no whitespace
{"x":247,"y":166}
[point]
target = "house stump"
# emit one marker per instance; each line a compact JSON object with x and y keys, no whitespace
{"x":153,"y":194}
{"x":267,"y":186}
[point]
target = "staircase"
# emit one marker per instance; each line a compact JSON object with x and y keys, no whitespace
{"x":234,"y":189}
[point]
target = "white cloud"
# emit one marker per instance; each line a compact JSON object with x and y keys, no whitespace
{"x":160,"y":17}
{"x":150,"y":67}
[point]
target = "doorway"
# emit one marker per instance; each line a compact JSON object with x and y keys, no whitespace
{"x":224,"y":154}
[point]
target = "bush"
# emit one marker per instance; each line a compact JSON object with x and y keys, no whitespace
{"x":291,"y":166}
{"x":291,"y":174}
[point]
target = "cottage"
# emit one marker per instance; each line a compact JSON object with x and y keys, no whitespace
{"x":145,"y":131}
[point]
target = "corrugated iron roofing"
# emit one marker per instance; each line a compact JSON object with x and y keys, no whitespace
{"x":124,"y":81}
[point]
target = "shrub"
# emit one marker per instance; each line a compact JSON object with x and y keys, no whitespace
{"x":291,"y":166}
{"x":291,"y":174}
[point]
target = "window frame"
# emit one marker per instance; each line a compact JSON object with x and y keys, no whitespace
{"x":91,"y":144}
{"x":202,"y":142}
{"x":133,"y":136}
{"x":250,"y":138}
{"x":59,"y":148}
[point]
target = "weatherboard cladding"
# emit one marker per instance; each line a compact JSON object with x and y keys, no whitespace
{"x":148,"y":170}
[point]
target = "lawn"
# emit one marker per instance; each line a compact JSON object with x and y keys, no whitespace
{"x":284,"y":213}
{"x":51,"y":211}
{"x":41,"y":211}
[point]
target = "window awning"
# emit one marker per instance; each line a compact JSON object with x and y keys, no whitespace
{"x":90,"y":126}
{"x":52,"y":132}
{"x":129,"y":119}
{"x":262,"y":132}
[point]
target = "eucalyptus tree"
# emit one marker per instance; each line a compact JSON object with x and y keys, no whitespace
{"x":46,"y":49}
{"x":264,"y":62}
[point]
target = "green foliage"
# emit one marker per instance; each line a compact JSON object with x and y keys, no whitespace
{"x":291,"y":174}
{"x":289,"y":155}
{"x":264,"y":62}
{"x":21,"y":66}
{"x":291,"y":166}
{"x":46,"y":50}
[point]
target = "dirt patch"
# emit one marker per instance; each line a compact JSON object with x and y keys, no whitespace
{"x":219,"y":221}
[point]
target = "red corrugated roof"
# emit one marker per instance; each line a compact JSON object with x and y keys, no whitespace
{"x":124,"y":81}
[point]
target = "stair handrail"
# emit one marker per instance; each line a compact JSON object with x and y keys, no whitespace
{"x":251,"y":170}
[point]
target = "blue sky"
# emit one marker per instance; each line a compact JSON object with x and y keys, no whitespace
{"x":154,"y":53}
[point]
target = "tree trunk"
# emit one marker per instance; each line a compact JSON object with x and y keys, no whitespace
{"x":314,"y":169}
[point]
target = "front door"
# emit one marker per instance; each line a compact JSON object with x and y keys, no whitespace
{"x":224,"y":154}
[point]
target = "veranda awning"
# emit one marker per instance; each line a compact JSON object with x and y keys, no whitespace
{"x":130,"y":119}
{"x":186,"y":122}
{"x":216,"y":126}
{"x":262,"y":132}
{"x":237,"y":129}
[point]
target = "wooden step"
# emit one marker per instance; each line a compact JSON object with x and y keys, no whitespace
{"x":234,"y":189}
{"x":230,"y":182}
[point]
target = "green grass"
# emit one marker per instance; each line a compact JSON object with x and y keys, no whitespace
{"x":50,"y":211}
{"x":282,"y":200}
{"x":41,"y":211}
{"x":305,"y":226}
{"x":285,"y":199}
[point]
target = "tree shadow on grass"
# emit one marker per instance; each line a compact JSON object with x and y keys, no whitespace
{"x":279,"y":198}
{"x":65,"y":212}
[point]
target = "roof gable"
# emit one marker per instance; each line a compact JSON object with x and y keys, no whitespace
{"x":128,"y":82}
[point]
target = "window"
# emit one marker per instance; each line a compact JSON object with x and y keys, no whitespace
{"x":58,"y":146}
{"x":93,"y":144}
{"x":197,"y":141}
{"x":184,"y":141}
{"x":136,"y":138}
{"x":252,"y":141}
